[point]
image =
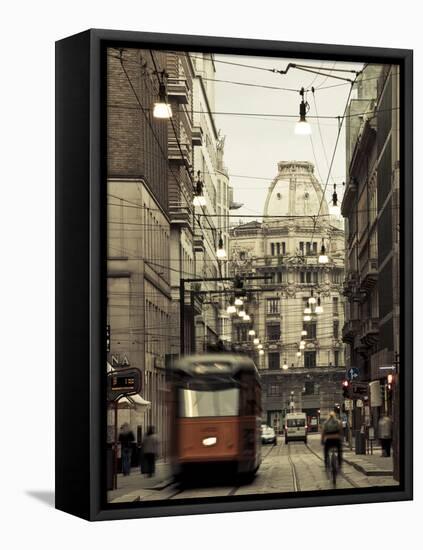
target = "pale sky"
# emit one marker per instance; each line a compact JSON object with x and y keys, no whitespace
{"x":254,"y":145}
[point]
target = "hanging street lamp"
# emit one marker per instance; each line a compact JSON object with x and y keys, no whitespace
{"x":303,"y":128}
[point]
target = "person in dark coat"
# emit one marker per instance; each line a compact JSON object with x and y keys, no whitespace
{"x":385,"y":434}
{"x":126,"y":438}
{"x":150,"y":449}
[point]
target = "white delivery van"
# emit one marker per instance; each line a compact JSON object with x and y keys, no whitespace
{"x":296,"y":427}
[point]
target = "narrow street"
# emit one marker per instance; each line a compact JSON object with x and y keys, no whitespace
{"x":229,"y":300}
{"x":285,"y":469}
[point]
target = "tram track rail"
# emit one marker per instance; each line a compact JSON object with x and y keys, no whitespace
{"x":340,"y":473}
{"x":295,"y":478}
{"x":272,"y":448}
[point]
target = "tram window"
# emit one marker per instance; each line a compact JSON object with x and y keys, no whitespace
{"x":198,"y":403}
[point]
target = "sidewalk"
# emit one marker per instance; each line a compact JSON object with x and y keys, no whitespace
{"x":139,"y":482}
{"x":370,"y":464}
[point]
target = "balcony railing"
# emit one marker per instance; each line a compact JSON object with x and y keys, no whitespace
{"x":349,"y":193}
{"x":180,"y":214}
{"x":351,"y":285}
{"x":177,"y":90}
{"x":369,"y":274}
{"x":197,"y":136}
{"x":179,"y":154}
{"x":370,"y":332}
{"x":199,"y":242}
{"x":350,"y":330}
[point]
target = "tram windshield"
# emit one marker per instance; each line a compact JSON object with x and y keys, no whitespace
{"x":211,"y":402}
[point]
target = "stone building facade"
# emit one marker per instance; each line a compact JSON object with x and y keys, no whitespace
{"x":372,"y":242}
{"x":285,"y":247}
{"x":156,"y":236}
{"x":138,"y":274}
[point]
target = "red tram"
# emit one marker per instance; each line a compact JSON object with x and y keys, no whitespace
{"x":216,"y":415}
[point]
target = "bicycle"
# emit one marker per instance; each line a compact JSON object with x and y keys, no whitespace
{"x":333,"y":464}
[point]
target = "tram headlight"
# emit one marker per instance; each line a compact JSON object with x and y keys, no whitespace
{"x":209,"y":441}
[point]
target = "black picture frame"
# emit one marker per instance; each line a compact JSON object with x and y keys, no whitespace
{"x":81,"y":270}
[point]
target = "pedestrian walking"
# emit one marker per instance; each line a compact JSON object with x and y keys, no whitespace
{"x":385,"y":434}
{"x":126,"y":438}
{"x":150,"y":449}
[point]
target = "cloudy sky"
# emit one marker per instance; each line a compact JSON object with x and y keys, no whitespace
{"x":254,"y":145}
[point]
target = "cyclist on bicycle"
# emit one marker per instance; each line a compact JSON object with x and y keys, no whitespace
{"x":332,"y":437}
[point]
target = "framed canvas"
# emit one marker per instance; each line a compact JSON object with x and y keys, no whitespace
{"x":233,"y":274}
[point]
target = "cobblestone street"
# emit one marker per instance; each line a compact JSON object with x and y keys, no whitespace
{"x":284,"y":469}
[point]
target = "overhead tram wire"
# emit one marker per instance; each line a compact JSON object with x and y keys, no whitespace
{"x":250,"y":84}
{"x":309,"y":68}
{"x":309,"y":87}
{"x":321,"y":136}
{"x":144,"y":111}
{"x":254,"y":215}
{"x":213,"y":229}
{"x":155,"y":136}
{"x":317,"y":88}
{"x":319,"y":126}
{"x":333,"y":156}
{"x":280,"y":115}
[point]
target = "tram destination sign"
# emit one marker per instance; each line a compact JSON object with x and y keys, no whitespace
{"x":123,"y":382}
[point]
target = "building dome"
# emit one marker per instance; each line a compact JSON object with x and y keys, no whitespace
{"x":295,"y":191}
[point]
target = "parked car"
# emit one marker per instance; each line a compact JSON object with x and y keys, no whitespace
{"x":267,"y":435}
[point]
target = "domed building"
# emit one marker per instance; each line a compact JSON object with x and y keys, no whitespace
{"x":302,"y":354}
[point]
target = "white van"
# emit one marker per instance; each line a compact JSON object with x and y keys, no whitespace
{"x":296,"y":427}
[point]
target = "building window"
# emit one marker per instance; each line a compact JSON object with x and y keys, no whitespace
{"x":241,"y":333}
{"x":314,"y":274}
{"x":311,"y":329}
{"x":302,"y":277}
{"x":301,"y":248}
{"x":279,"y":276}
{"x":272,"y":305}
{"x":337,"y":276}
{"x":308,"y":388}
{"x":309,"y":359}
{"x":274,"y":361}
{"x":308,"y":276}
{"x":336,"y":329}
{"x":273,"y":390}
{"x":273,"y":331}
{"x":283,"y":245}
{"x":335,"y":306}
{"x":272,"y":249}
{"x":311,"y":248}
{"x":336,"y":358}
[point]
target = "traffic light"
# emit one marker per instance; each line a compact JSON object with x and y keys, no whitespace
{"x":108,"y":338}
{"x":345,"y":388}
